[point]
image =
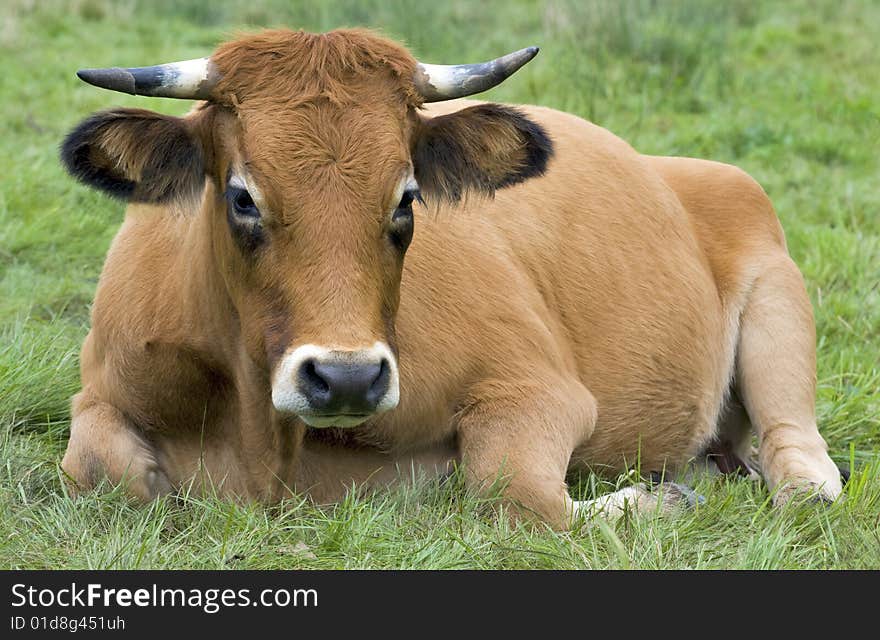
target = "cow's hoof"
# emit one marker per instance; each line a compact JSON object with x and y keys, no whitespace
{"x":796,"y":490}
{"x":674,"y":495}
{"x":678,"y":492}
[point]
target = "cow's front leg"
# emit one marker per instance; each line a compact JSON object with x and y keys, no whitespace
{"x":105,"y":444}
{"x":519,"y":436}
{"x":327,"y":472}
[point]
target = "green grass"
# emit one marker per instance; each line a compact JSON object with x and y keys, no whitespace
{"x":788,"y":91}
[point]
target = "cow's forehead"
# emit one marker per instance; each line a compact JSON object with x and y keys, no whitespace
{"x":339,"y":66}
{"x":309,"y":154}
{"x":316,"y":123}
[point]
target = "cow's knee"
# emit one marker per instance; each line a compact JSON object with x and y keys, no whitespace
{"x":519,"y":438}
{"x":104,"y":445}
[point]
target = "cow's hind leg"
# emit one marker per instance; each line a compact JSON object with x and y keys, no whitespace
{"x":776,"y":380}
{"x":105,"y":445}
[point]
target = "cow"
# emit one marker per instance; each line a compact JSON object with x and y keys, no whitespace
{"x":565,"y":302}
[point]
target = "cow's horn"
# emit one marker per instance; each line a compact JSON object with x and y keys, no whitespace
{"x":438,"y":82}
{"x":190,"y":79}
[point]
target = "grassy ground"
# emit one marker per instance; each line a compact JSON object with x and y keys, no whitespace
{"x":789,"y":91}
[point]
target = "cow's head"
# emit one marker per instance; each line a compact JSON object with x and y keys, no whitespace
{"x":315,"y":155}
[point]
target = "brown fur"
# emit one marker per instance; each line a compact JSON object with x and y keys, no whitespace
{"x":591,"y":316}
{"x":293,"y":68}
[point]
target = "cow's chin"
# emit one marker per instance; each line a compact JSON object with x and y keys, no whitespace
{"x":340,"y":421}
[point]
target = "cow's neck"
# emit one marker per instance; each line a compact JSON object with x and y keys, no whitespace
{"x":204,"y":300}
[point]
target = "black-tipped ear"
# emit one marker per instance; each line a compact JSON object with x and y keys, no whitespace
{"x":481,"y":148}
{"x":136,"y":155}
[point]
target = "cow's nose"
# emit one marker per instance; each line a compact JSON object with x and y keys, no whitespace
{"x":343,"y":388}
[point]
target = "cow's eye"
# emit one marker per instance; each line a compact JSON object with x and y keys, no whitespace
{"x":401,"y":229}
{"x":409,"y":196}
{"x":244,"y":219}
{"x":241,"y":202}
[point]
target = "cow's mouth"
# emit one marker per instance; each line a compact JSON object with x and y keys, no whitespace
{"x":343,"y":420}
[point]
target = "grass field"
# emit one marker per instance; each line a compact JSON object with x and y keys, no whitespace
{"x":787,"y":90}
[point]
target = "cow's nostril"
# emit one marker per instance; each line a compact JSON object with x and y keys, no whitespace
{"x":311,"y":380}
{"x":379,"y":386}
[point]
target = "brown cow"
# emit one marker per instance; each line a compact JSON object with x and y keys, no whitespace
{"x":255,"y":328}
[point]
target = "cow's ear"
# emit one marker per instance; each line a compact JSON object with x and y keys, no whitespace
{"x":480,"y":149}
{"x":137,"y":155}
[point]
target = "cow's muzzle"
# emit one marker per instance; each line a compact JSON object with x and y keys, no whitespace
{"x":336,"y":388}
